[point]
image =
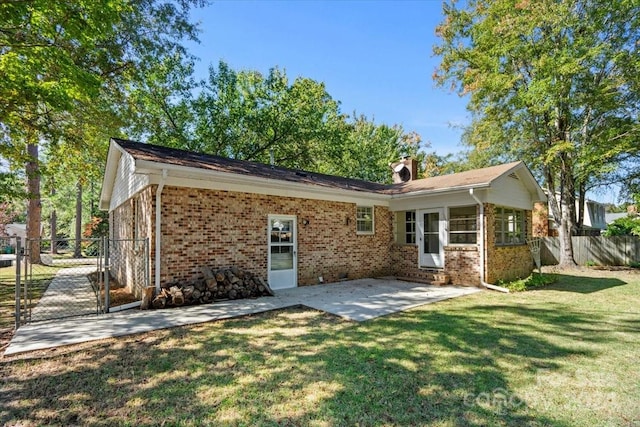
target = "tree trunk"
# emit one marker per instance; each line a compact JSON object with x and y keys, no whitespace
{"x":77,"y":253}
{"x":53,"y":223}
{"x":582,"y":196}
{"x":560,"y":211}
{"x":34,"y":210}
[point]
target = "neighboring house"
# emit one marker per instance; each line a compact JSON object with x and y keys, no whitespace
{"x":17,"y":230}
{"x":609,"y":217}
{"x":294,"y":227}
{"x":544,"y":223}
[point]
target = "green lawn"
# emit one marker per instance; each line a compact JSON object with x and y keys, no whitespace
{"x":564,"y":355}
{"x":40,"y":277}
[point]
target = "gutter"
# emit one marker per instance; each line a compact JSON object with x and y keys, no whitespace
{"x":482,"y":248}
{"x":158,"y":227}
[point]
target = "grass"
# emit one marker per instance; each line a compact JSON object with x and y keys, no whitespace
{"x":40,"y":279}
{"x":564,"y":355}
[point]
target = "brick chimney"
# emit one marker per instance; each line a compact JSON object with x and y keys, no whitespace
{"x":404,"y":170}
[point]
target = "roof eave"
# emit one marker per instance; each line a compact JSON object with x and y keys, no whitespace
{"x":111,"y":169}
{"x":439,"y":191}
{"x":151,"y":167}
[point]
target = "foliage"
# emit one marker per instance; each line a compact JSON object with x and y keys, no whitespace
{"x":250,"y":116}
{"x":625,"y":226}
{"x":98,"y":226}
{"x":7,"y":214}
{"x":531,"y":282}
{"x":66,"y":70}
{"x":552,"y":83}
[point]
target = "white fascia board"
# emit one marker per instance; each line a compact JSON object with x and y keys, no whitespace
{"x":111,"y":169}
{"x":438,"y":200}
{"x":183,"y":176}
{"x":439,"y":191}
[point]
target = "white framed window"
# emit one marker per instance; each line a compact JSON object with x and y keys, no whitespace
{"x":463,"y":225}
{"x":410,"y":227}
{"x":364,"y":219}
{"x":509,"y":226}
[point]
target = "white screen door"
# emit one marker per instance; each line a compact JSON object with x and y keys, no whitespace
{"x":282,"y":252}
{"x":431,"y":237}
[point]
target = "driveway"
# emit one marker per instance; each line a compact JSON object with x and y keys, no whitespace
{"x":355,"y":300}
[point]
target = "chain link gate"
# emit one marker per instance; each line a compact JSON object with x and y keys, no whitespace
{"x":66,"y":278}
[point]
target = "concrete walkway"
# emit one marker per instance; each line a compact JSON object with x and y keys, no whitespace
{"x":69,"y":294}
{"x":356,"y":300}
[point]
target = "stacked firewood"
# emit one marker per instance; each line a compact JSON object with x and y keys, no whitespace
{"x":221,"y":284}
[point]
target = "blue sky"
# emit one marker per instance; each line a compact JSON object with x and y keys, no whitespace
{"x":375,"y":57}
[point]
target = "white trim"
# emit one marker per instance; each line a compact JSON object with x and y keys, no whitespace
{"x":214,"y":180}
{"x":373,"y":221}
{"x":125,"y":306}
{"x":159,"y":229}
{"x":442,"y":235}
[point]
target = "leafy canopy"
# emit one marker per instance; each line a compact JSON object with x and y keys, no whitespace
{"x":250,"y":116}
{"x":553,"y":83}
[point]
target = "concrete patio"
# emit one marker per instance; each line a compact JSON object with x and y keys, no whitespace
{"x":355,"y":300}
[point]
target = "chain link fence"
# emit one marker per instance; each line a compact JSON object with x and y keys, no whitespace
{"x":68,"y":277}
{"x":127,"y":263}
{"x":7,"y":284}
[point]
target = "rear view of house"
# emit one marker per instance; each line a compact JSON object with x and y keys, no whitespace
{"x":297,"y":228}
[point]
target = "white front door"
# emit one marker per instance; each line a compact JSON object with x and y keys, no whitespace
{"x":282,"y":263}
{"x":432,"y":236}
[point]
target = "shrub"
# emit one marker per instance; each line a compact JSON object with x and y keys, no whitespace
{"x":531,"y":282}
{"x":626,"y":226}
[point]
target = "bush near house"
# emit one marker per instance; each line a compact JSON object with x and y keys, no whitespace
{"x":531,"y":282}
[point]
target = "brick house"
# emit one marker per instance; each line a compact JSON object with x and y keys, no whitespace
{"x":297,"y":228}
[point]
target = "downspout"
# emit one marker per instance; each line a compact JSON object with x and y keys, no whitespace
{"x":158,"y":227}
{"x":483,"y":247}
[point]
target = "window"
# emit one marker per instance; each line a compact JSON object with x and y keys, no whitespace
{"x":463,"y":224}
{"x":509,"y":226}
{"x":364,"y":220}
{"x":410,"y":227}
{"x":404,"y":227}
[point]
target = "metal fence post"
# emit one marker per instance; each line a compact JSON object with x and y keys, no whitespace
{"x":146,"y":262}
{"x":107,"y":266}
{"x":28,"y":275}
{"x":18,"y":249}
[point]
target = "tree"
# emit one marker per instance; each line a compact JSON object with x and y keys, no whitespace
{"x":248,"y":116}
{"x":553,"y":83}
{"x":366,"y":150}
{"x":57,"y":58}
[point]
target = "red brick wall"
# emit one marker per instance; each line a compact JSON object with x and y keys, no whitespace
{"x":462,"y":264}
{"x":218,"y":229}
{"x":404,"y":260}
{"x":540,"y":220}
{"x":506,"y":262}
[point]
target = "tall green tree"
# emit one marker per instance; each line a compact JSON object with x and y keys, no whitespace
{"x":57,"y":58}
{"x":250,"y":116}
{"x":553,"y":83}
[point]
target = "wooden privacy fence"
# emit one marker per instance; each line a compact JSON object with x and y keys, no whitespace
{"x":601,"y":250}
